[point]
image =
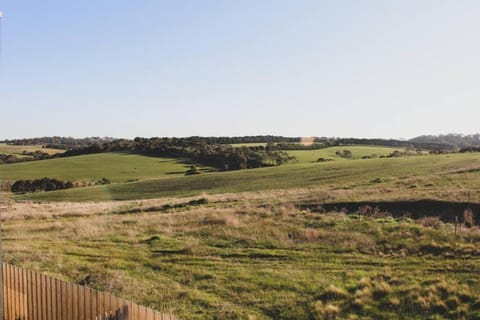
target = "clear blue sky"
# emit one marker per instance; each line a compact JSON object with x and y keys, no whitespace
{"x":385,"y":68}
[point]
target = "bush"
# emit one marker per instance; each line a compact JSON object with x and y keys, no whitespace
{"x":193,"y":170}
{"x":103,"y":181}
{"x":468,"y":218}
{"x":433,"y":222}
{"x":347,"y":154}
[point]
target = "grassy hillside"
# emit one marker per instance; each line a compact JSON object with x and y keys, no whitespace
{"x":358,"y":152}
{"x":117,"y":167}
{"x":18,"y":150}
{"x":269,"y":243}
{"x":455,"y":176}
{"x":256,"y":256}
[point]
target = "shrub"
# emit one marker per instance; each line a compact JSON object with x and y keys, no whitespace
{"x":193,"y":170}
{"x":335,"y":293}
{"x":103,"y":181}
{"x":381,"y":290}
{"x":468,"y":218}
{"x":434,"y":222}
{"x":323,"y":311}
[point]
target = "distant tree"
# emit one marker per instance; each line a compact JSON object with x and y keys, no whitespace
{"x":193,"y":170}
{"x":347,"y":154}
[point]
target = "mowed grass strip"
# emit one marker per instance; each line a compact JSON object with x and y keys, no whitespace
{"x":399,"y":176}
{"x":117,"y":167}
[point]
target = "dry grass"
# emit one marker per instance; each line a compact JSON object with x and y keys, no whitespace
{"x":233,"y":253}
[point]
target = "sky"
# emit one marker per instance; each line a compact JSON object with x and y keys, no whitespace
{"x":371,"y":68}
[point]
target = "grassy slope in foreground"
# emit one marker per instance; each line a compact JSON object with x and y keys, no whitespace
{"x":412,"y":176}
{"x":259,"y":259}
{"x":117,"y":167}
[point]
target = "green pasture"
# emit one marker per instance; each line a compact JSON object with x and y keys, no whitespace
{"x":358,"y":152}
{"x":117,"y":167}
{"x":444,"y":176}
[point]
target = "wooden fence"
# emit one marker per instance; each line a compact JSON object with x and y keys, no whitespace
{"x":29,"y":295}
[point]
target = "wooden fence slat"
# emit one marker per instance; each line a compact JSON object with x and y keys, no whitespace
{"x":99,"y":304}
{"x":29,"y":299}
{"x":23,"y":274}
{"x":74,"y":301}
{"x":81,"y":302}
{"x":16,"y":290}
{"x":58,"y":299}
{"x":63,"y":286}
{"x":48,"y":298}
{"x":143,"y":312}
{"x":5,"y":291}
{"x":13,"y":311}
{"x":88,"y":304}
{"x":44,"y":296}
{"x":106,"y":304}
{"x":70,"y":293}
{"x":34,"y":306}
{"x":150,"y":315}
{"x":25,"y":293}
{"x":53,"y":299}
{"x":14,"y":293}
{"x":34,"y":296}
{"x":113,"y":307}
{"x":6,"y":307}
{"x":20,"y":293}
{"x":94,"y":304}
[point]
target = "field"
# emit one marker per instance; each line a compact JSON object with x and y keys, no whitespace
{"x":358,"y":152}
{"x":359,"y":239}
{"x":451,"y":177}
{"x":117,"y":167}
{"x":252,"y":256}
{"x":18,"y":150}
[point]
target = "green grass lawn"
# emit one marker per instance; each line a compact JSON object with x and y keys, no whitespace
{"x":358,"y":152}
{"x":117,"y":167}
{"x":437,"y":176}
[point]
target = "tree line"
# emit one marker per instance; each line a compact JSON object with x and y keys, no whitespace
{"x":222,"y":156}
{"x":212,"y":151}
{"x":452,"y":139}
{"x":57,"y":142}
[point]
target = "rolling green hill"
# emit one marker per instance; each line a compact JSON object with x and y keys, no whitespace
{"x":358,"y":152}
{"x":117,"y":167}
{"x":440,"y":176}
{"x":281,"y":250}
